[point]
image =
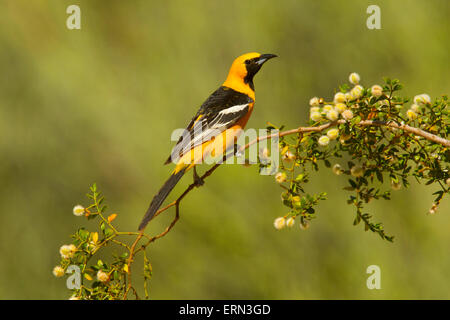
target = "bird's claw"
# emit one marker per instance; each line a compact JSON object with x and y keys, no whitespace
{"x":198,"y":181}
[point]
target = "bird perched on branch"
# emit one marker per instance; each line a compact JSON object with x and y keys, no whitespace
{"x":216,"y":126}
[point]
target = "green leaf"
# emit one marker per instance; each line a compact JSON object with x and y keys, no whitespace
{"x":109,"y":232}
{"x":379,"y":176}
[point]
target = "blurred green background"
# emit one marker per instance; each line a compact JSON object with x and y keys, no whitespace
{"x":99,"y":105}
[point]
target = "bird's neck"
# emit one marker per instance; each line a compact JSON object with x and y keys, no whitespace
{"x":238,"y":84}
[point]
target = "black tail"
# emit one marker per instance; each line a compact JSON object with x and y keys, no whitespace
{"x":160,"y":197}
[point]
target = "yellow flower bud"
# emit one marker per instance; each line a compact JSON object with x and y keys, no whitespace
{"x":314,"y":102}
{"x":315,"y":116}
{"x":280,"y":177}
{"x":354,"y":78}
{"x":347,"y":114}
{"x":58,"y":271}
{"x":290,"y":222}
{"x":422,"y":99}
{"x":376,"y":90}
{"x":327,"y":108}
{"x":323,"y":140}
{"x":332,"y":115}
{"x":340,"y":107}
{"x":67,"y":251}
{"x":339,"y":97}
{"x":411,"y":114}
{"x":78,"y":210}
{"x":279,"y":223}
{"x":333,"y":133}
{"x":102,"y":276}
{"x":357,"y":91}
{"x":314,"y":109}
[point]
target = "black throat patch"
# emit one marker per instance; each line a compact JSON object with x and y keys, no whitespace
{"x":252,"y":67}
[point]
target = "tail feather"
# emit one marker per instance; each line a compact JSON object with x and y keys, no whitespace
{"x":160,"y":197}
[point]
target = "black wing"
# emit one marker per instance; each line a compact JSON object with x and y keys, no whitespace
{"x":220,"y":111}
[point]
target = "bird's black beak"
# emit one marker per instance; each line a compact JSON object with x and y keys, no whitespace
{"x":253,"y":66}
{"x":264,"y":57}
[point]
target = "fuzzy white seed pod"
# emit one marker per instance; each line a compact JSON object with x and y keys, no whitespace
{"x":339,"y":97}
{"x":340,"y":107}
{"x":280,"y":177}
{"x":332,"y":115}
{"x":422,"y":99}
{"x":290,"y":222}
{"x":78,"y":210}
{"x":67,"y":251}
{"x":314,"y":109}
{"x":411,"y":114}
{"x":333,"y":133}
{"x":347,"y":114}
{"x":354,"y":78}
{"x":337,"y":169}
{"x":314,"y":102}
{"x":102,"y":276}
{"x":315,"y":116}
{"x":357,"y":91}
{"x":376,"y":90}
{"x":279,"y":223}
{"x":448,"y":181}
{"x":426,"y":98}
{"x":58,"y":271}
{"x":323,"y":141}
{"x":327,"y":108}
{"x":357,"y":171}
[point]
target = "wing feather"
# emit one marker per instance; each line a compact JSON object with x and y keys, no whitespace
{"x":224,"y":108}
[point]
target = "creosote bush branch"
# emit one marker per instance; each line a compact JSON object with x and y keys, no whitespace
{"x":363,"y":134}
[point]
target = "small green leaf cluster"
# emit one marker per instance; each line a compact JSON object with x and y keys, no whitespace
{"x":376,"y":136}
{"x":99,"y":279}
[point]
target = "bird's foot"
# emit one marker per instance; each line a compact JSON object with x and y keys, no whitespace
{"x":198,"y":181}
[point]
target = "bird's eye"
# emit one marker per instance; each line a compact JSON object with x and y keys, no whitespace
{"x":247,"y":61}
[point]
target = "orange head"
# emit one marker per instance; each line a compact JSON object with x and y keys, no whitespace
{"x":243,"y":69}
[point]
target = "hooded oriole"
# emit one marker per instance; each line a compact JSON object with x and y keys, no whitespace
{"x":216,"y":125}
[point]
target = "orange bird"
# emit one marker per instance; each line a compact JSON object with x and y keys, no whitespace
{"x":215,"y":127}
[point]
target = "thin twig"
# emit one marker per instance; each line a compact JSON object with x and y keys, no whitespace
{"x":176,"y":203}
{"x":365,"y":123}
